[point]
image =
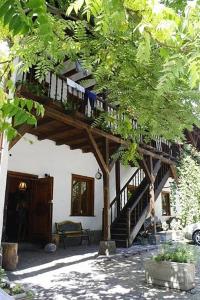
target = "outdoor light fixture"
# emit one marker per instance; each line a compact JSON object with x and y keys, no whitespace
{"x":22,"y":186}
{"x":98,"y":175}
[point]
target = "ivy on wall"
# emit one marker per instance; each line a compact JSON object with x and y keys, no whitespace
{"x":186,"y":192}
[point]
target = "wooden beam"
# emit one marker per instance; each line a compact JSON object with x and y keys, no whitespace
{"x":192,"y":139}
{"x":80,"y":75}
{"x":57,"y":133}
{"x":97,"y":153}
{"x":174,"y":173}
{"x":144,"y":166}
{"x":43,"y":125}
{"x":21,"y":131}
{"x":154,"y":155}
{"x":69,"y":120}
{"x":73,"y":139}
{"x":156,"y":168}
{"x":83,"y":144}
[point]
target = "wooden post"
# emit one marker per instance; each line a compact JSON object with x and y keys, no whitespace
{"x":153,"y":172}
{"x":118,"y":184}
{"x":106,"y":191}
{"x":103,"y":161}
{"x":152,"y":205}
{"x":106,"y":230}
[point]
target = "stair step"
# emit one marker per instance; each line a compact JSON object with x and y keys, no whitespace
{"x":119,"y":236}
{"x":121,"y":243}
{"x":118,"y":230}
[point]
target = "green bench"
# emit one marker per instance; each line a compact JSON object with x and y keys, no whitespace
{"x":69,"y":229}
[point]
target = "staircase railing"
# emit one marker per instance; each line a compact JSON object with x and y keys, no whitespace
{"x":120,"y":201}
{"x":140,"y":207}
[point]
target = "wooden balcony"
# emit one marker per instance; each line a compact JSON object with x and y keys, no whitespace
{"x":69,"y":115}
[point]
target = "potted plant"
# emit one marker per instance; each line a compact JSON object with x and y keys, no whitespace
{"x":173,"y":267}
{"x":12,"y":290}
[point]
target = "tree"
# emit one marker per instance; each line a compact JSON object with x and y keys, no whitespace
{"x":186,"y":192}
{"x":143,"y":54}
{"x":31,"y":34}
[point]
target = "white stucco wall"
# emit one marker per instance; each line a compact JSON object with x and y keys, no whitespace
{"x":42,"y":157}
{"x":3,"y":176}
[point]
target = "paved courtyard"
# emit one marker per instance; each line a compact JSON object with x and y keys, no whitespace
{"x":77,"y":273}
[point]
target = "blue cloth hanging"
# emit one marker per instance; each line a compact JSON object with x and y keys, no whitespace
{"x":92,"y":98}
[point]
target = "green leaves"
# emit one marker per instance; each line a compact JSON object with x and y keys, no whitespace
{"x":186,"y":192}
{"x":11,"y":14}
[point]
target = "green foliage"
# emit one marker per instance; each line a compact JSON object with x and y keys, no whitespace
{"x":17,"y":289}
{"x":176,"y":253}
{"x":186,"y":192}
{"x":144,"y":54}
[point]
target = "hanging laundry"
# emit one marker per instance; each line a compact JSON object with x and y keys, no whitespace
{"x":92,"y":98}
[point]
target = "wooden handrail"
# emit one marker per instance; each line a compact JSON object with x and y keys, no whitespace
{"x":139,"y":197}
{"x":124,"y":187}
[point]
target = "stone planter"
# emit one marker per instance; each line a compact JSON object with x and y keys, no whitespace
{"x":5,"y":296}
{"x":21,"y":296}
{"x":170,"y":274}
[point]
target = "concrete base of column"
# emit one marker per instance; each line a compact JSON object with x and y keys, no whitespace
{"x":107,"y":248}
{"x":154,"y":239}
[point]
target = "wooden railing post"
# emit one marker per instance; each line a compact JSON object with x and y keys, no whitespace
{"x":128,"y":225}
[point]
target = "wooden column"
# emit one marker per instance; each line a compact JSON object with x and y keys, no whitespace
{"x":118,"y":183}
{"x":153,"y":173}
{"x":152,"y":204}
{"x":106,"y":191}
{"x":103,"y":161}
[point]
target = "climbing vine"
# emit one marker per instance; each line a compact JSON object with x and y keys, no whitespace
{"x":186,"y":191}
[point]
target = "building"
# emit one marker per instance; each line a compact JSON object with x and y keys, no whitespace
{"x":64,"y":168}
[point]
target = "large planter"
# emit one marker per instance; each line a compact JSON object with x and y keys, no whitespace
{"x":5,"y":296}
{"x":170,"y":274}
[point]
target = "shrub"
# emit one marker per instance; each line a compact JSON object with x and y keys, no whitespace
{"x":178,"y":253}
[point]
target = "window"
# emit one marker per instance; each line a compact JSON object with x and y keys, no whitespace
{"x":166,"y":210}
{"x":82,"y":202}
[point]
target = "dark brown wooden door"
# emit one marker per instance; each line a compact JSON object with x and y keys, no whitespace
{"x":41,"y":210}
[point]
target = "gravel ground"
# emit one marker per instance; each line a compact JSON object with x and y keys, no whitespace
{"x":77,"y":273}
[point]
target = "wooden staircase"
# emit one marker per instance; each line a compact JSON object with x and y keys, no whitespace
{"x":130,"y":207}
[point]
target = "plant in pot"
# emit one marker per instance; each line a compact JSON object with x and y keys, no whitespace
{"x":11,"y":289}
{"x":173,"y":267}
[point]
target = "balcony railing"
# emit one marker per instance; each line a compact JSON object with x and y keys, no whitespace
{"x":75,"y":97}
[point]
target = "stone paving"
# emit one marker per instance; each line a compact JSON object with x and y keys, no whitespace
{"x":77,"y":273}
